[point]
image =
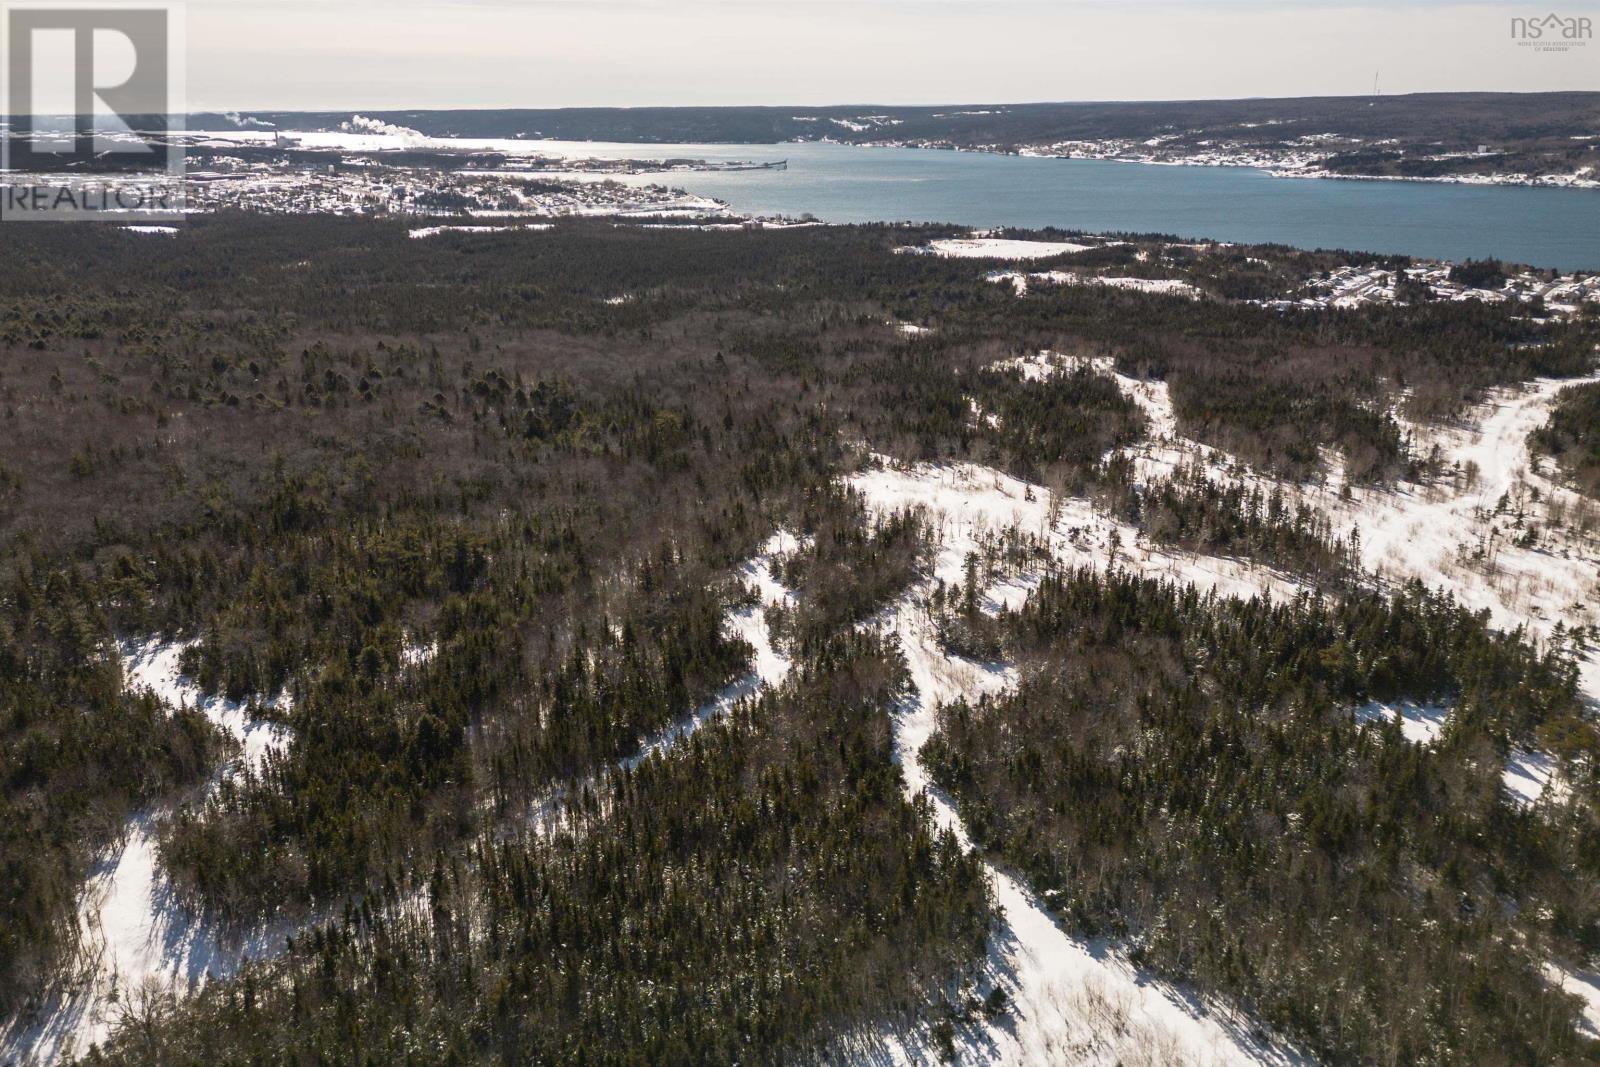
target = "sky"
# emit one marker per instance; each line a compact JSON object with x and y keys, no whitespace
{"x":323,"y":54}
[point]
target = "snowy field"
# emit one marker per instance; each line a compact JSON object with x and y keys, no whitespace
{"x":1021,"y":282}
{"x":996,"y":248}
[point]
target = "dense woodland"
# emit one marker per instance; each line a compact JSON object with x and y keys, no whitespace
{"x":467,"y":529}
{"x":1187,"y":773}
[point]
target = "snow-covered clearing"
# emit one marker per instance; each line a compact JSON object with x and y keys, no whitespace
{"x":154,"y":665}
{"x":996,"y":248}
{"x":1421,"y":724}
{"x":1534,"y":776}
{"x":1072,"y":1000}
{"x":1021,"y":282}
{"x":434,"y":231}
{"x":960,"y":496}
{"x":137,"y":936}
{"x":1453,"y":534}
{"x":416,"y":654}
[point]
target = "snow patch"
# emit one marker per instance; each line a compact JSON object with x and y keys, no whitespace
{"x":1421,"y":724}
{"x":995,"y":248}
{"x":1532,"y":776}
{"x":434,"y":231}
{"x":1021,"y":282}
{"x":1583,"y":984}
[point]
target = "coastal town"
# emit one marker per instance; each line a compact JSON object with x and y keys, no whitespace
{"x":1190,"y":270}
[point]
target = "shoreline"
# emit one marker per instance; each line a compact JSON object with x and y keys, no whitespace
{"x":1276,"y":169}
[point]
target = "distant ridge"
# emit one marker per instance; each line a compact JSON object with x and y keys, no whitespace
{"x":1469,"y":117}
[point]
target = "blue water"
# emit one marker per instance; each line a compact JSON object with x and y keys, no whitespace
{"x":840,"y":183}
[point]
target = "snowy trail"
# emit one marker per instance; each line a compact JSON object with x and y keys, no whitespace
{"x":1418,"y":531}
{"x":1433,"y":532}
{"x":769,"y":667}
{"x":137,"y":936}
{"x":1072,"y":1001}
{"x":1449,"y":535}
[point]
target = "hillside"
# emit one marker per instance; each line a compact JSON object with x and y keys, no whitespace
{"x":1423,"y":135}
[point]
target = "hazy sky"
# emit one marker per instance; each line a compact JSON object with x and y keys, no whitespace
{"x":553,"y":53}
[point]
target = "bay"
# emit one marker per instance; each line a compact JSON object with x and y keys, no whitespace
{"x":1544,"y":227}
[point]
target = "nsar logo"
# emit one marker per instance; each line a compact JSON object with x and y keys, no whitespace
{"x":1553,"y":33}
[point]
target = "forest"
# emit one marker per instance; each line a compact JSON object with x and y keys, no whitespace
{"x":465,"y":518}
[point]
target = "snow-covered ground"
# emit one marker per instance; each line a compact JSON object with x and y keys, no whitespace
{"x":996,"y":248}
{"x":1022,"y":281}
{"x":1582,"y":984}
{"x":1420,"y":724}
{"x":1454,"y":534}
{"x":138,"y":937}
{"x":1532,"y":776}
{"x":433,"y":231}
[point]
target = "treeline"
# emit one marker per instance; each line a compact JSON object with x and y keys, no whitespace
{"x":1187,"y":774}
{"x":845,"y":568}
{"x":1192,"y":511}
{"x":1572,"y":436}
{"x":1421,"y":121}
